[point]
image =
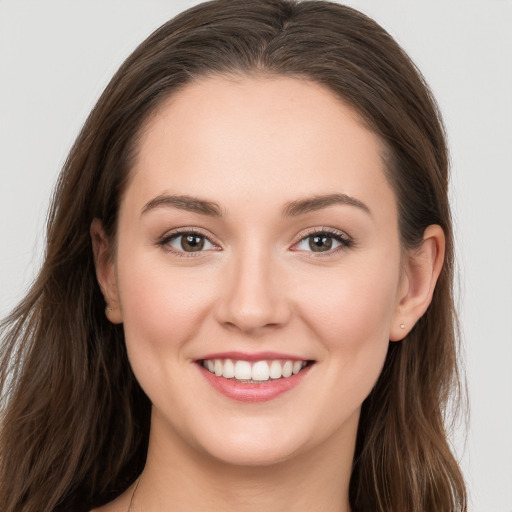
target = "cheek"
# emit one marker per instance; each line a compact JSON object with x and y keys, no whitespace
{"x":162,"y":307}
{"x":352,"y":305}
{"x":352,"y":321}
{"x":351,"y":313}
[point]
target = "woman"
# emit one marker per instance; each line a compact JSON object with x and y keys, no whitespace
{"x":246,"y":298}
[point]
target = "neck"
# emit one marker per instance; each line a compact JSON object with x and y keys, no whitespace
{"x":180,"y":478}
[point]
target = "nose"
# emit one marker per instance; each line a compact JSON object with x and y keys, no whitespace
{"x":254,"y":296}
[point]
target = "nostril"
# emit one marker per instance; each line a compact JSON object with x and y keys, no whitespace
{"x":253,"y":319}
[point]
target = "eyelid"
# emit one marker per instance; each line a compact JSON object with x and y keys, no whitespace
{"x":346,"y":240}
{"x":164,"y":240}
{"x":323,"y":229}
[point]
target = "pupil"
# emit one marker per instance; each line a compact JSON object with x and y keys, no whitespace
{"x":192,"y":243}
{"x":320,"y":243}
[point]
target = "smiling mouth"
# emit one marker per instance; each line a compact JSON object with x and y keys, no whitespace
{"x":255,"y":372}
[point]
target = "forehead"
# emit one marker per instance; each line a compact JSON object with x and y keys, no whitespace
{"x":261,"y":138}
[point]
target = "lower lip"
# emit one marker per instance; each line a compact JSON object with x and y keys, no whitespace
{"x":245,"y":392}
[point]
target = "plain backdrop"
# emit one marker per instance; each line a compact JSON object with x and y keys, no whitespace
{"x":56,"y":57}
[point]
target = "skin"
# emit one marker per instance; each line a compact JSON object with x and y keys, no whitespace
{"x":253,"y":145}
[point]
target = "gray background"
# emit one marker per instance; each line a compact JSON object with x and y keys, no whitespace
{"x":57,"y":56}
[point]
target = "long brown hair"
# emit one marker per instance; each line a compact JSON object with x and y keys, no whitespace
{"x":75,"y":421}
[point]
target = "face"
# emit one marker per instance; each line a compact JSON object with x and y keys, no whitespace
{"x":258,"y":238}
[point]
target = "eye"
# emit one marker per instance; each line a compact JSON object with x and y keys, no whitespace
{"x":187,"y":242}
{"x":323,"y":241}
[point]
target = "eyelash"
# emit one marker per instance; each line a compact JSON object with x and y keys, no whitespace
{"x":342,"y":238}
{"x":164,"y":242}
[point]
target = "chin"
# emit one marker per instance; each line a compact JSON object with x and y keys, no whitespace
{"x":256,"y":454}
{"x":251,"y":442}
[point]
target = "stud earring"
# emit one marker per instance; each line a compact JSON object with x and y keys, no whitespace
{"x":402,"y":326}
{"x":108,"y":309}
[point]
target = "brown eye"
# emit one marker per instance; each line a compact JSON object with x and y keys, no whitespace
{"x":192,"y":243}
{"x":188,"y":242}
{"x":320,"y":243}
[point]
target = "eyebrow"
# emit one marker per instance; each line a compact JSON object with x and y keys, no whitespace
{"x":184,"y":202}
{"x":311,"y":204}
{"x":292,"y":209}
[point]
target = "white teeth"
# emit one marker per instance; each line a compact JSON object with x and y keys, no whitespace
{"x":275,"y":370}
{"x":258,"y":371}
{"x":297,"y":367}
{"x":229,"y":369}
{"x":287,"y":369}
{"x":243,"y":370}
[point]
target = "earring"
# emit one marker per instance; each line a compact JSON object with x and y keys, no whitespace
{"x":402,"y":326}
{"x":108,"y":309}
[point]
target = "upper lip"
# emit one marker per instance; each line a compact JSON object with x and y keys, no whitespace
{"x":255,"y":356}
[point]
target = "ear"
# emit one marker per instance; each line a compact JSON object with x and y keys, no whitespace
{"x":421,"y":270}
{"x":105,"y":271}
